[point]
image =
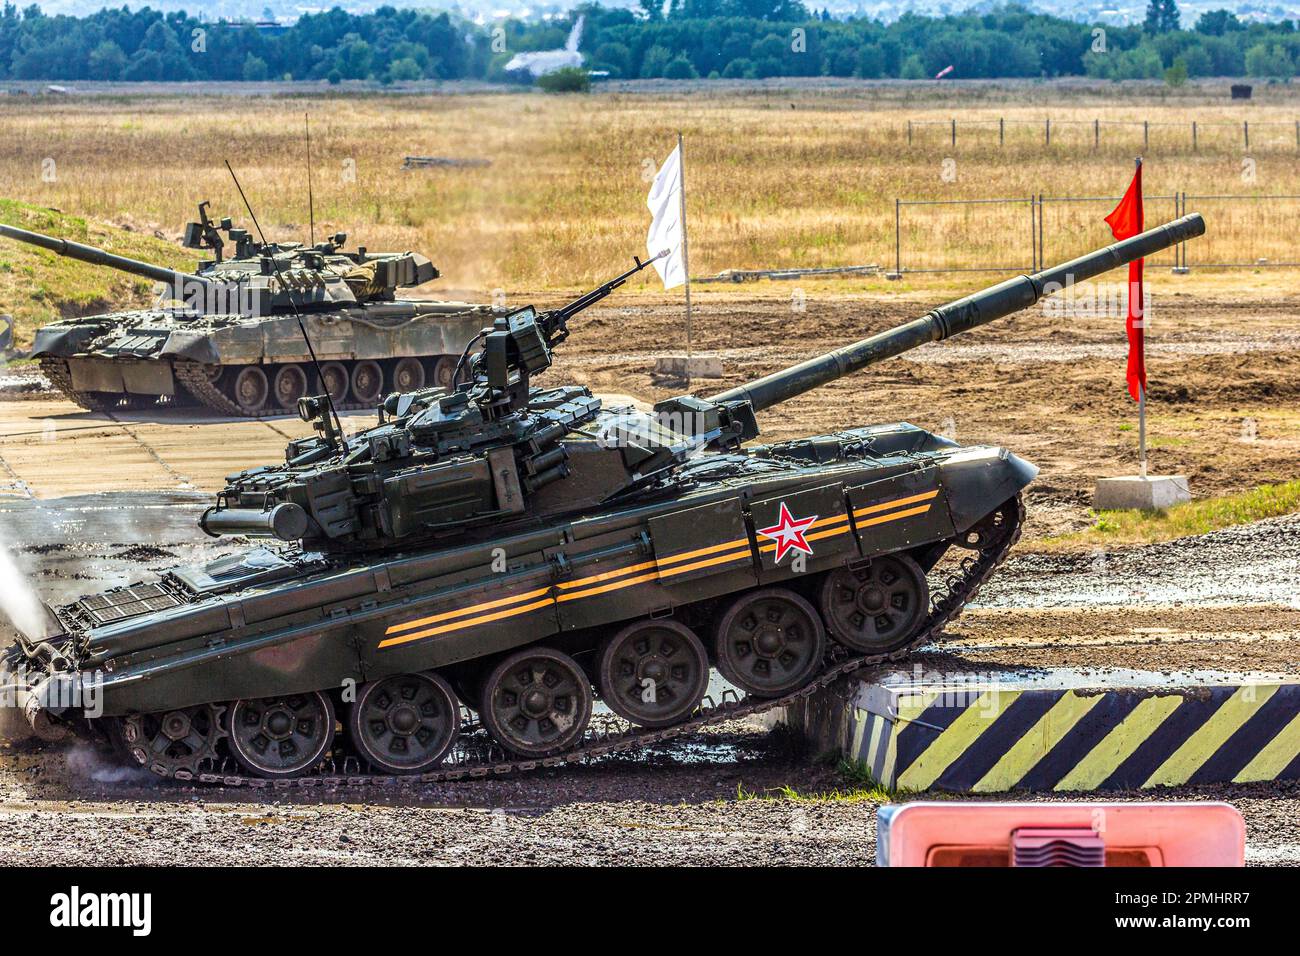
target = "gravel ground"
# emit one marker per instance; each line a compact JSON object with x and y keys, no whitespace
{"x":635,"y":814}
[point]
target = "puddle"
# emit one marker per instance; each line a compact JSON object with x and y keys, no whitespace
{"x":1067,"y":678}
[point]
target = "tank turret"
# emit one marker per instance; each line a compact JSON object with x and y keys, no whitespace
{"x":259,"y":279}
{"x":495,"y":447}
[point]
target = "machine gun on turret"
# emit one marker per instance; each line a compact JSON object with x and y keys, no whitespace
{"x":519,"y":345}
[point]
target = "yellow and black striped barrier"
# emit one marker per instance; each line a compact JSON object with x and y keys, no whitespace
{"x":1009,"y":734}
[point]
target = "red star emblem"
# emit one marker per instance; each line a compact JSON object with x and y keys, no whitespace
{"x":788,"y":533}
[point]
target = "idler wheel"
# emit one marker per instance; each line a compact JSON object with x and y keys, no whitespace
{"x":444,"y":372}
{"x":290,"y":385}
{"x":653,"y":673}
{"x":335,"y":381}
{"x":876,"y":607}
{"x":367,"y":382}
{"x":406,"y":723}
{"x":408,"y":375}
{"x":536,"y":702}
{"x":769,"y":642}
{"x":172,"y":740}
{"x":992,"y":529}
{"x":281,"y":736}
{"x":250,"y":389}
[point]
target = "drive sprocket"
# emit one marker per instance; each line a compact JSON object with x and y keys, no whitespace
{"x":174,"y":743}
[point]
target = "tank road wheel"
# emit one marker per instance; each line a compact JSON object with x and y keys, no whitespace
{"x":290,"y":385}
{"x":536,"y":702}
{"x":653,"y":673}
{"x":444,"y":372}
{"x":281,"y":736}
{"x":877,"y":607}
{"x":769,"y":642}
{"x":172,"y":740}
{"x":250,"y":389}
{"x":408,"y":375}
{"x":406,"y":723}
{"x":367,"y":382}
{"x":335,"y":380}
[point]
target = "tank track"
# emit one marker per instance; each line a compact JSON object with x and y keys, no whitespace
{"x":946,"y":604}
{"x":194,"y":378}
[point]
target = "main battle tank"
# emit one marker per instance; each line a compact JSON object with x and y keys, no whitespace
{"x":227,"y":335}
{"x":492,"y":552}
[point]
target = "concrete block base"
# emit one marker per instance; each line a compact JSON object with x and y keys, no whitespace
{"x":697,"y":366}
{"x":679,"y":368}
{"x":1059,"y":731}
{"x":1134,"y":491}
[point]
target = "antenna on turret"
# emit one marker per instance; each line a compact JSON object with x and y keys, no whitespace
{"x":302,"y":327}
{"x":311,"y":204}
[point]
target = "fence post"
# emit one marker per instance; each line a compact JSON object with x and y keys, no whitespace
{"x":1297,"y":134}
{"x":1002,"y":131}
{"x":1245,"y":132}
{"x":954,"y":132}
{"x":1146,"y":134}
{"x":1042,"y":256}
{"x":1047,"y":133}
{"x":1180,"y":250}
{"x":909,"y":132}
{"x":1096,"y":134}
{"x":898,"y":243}
{"x":1033,"y":235}
{"x":1194,"y":135}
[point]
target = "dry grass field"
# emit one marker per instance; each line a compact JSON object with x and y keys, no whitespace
{"x":801,"y":177}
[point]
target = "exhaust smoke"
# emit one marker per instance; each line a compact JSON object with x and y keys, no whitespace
{"x":19,"y":601}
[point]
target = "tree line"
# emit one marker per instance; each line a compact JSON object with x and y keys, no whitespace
{"x":681,"y":40}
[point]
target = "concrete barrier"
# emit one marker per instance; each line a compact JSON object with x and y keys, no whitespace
{"x":1060,"y":730}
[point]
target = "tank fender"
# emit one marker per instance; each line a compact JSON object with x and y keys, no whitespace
{"x":977,"y":480}
{"x":63,"y":341}
{"x":195,"y":346}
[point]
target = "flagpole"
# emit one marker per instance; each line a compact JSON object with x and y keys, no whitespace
{"x":1142,"y":432}
{"x":686,"y":254}
{"x":1142,"y":388}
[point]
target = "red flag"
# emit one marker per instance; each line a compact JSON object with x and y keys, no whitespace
{"x":1125,"y":222}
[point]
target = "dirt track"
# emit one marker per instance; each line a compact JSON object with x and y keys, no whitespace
{"x":1052,"y":392}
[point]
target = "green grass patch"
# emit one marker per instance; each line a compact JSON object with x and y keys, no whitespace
{"x":1190,"y":518}
{"x":38,"y":286}
{"x":857,"y":785}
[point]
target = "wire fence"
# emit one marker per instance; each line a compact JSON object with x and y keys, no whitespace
{"x":1096,"y":132}
{"x":1025,"y":233}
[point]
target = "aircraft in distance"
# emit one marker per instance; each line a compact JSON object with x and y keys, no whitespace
{"x":541,"y":62}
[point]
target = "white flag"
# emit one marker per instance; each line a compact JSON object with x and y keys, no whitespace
{"x":666,"y":228}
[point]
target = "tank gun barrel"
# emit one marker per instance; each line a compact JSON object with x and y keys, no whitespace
{"x":962,"y":315}
{"x":96,"y":256}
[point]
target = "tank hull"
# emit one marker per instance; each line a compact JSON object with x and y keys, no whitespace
{"x":276,"y":625}
{"x":138,"y":358}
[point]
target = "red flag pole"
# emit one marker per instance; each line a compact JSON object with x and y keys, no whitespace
{"x":1142,"y":388}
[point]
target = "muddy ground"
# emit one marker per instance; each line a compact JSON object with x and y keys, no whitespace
{"x":90,"y":502}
